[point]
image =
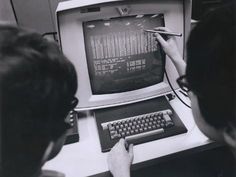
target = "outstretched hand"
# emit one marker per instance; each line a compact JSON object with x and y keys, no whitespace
{"x":170,"y":48}
{"x":119,"y":159}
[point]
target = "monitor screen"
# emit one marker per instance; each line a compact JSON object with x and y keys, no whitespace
{"x":121,"y":56}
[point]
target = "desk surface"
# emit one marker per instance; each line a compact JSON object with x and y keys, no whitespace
{"x":85,"y":157}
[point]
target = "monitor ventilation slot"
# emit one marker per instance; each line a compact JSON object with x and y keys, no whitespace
{"x":90,"y":9}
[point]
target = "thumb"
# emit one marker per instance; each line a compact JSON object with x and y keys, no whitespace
{"x":131,"y":151}
{"x":122,"y":142}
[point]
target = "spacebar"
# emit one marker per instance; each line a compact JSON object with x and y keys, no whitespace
{"x":143,"y":135}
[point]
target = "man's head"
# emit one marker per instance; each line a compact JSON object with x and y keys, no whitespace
{"x":211,"y":69}
{"x":38,"y":84}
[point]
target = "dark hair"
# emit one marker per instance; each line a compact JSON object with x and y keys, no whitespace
{"x":211,"y":66}
{"x":38,"y":84}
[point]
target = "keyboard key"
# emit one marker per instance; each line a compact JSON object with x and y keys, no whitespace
{"x":112,"y":132}
{"x":145,"y":134}
{"x":167,"y":118}
{"x":123,"y":134}
{"x":169,"y":112}
{"x":114,"y":135}
{"x":169,"y":124}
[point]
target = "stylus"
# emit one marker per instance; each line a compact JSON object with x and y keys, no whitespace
{"x":164,"y":32}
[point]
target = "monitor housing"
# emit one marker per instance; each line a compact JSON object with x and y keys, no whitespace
{"x":82,"y":25}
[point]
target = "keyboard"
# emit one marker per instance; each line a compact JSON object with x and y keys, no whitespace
{"x":138,"y":123}
{"x":141,"y":126}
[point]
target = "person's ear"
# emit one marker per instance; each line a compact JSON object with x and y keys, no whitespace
{"x":229,"y":135}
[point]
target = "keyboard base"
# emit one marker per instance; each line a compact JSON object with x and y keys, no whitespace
{"x":143,"y":107}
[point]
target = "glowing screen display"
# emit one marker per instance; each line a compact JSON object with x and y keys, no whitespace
{"x":121,"y":56}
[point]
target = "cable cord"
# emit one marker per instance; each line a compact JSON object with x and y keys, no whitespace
{"x":175,"y":91}
{"x":14,"y":12}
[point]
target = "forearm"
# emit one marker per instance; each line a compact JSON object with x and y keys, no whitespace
{"x":122,"y":171}
{"x":180,"y":65}
{"x":170,"y":48}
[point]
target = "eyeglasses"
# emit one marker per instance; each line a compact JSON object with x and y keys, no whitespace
{"x":183,"y":83}
{"x":74,"y":103}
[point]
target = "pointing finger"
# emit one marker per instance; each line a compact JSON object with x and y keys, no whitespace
{"x":163,"y":29}
{"x":160,"y":39}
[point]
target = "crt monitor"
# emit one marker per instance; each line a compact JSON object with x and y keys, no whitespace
{"x":121,"y":56}
{"x":116,"y":60}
